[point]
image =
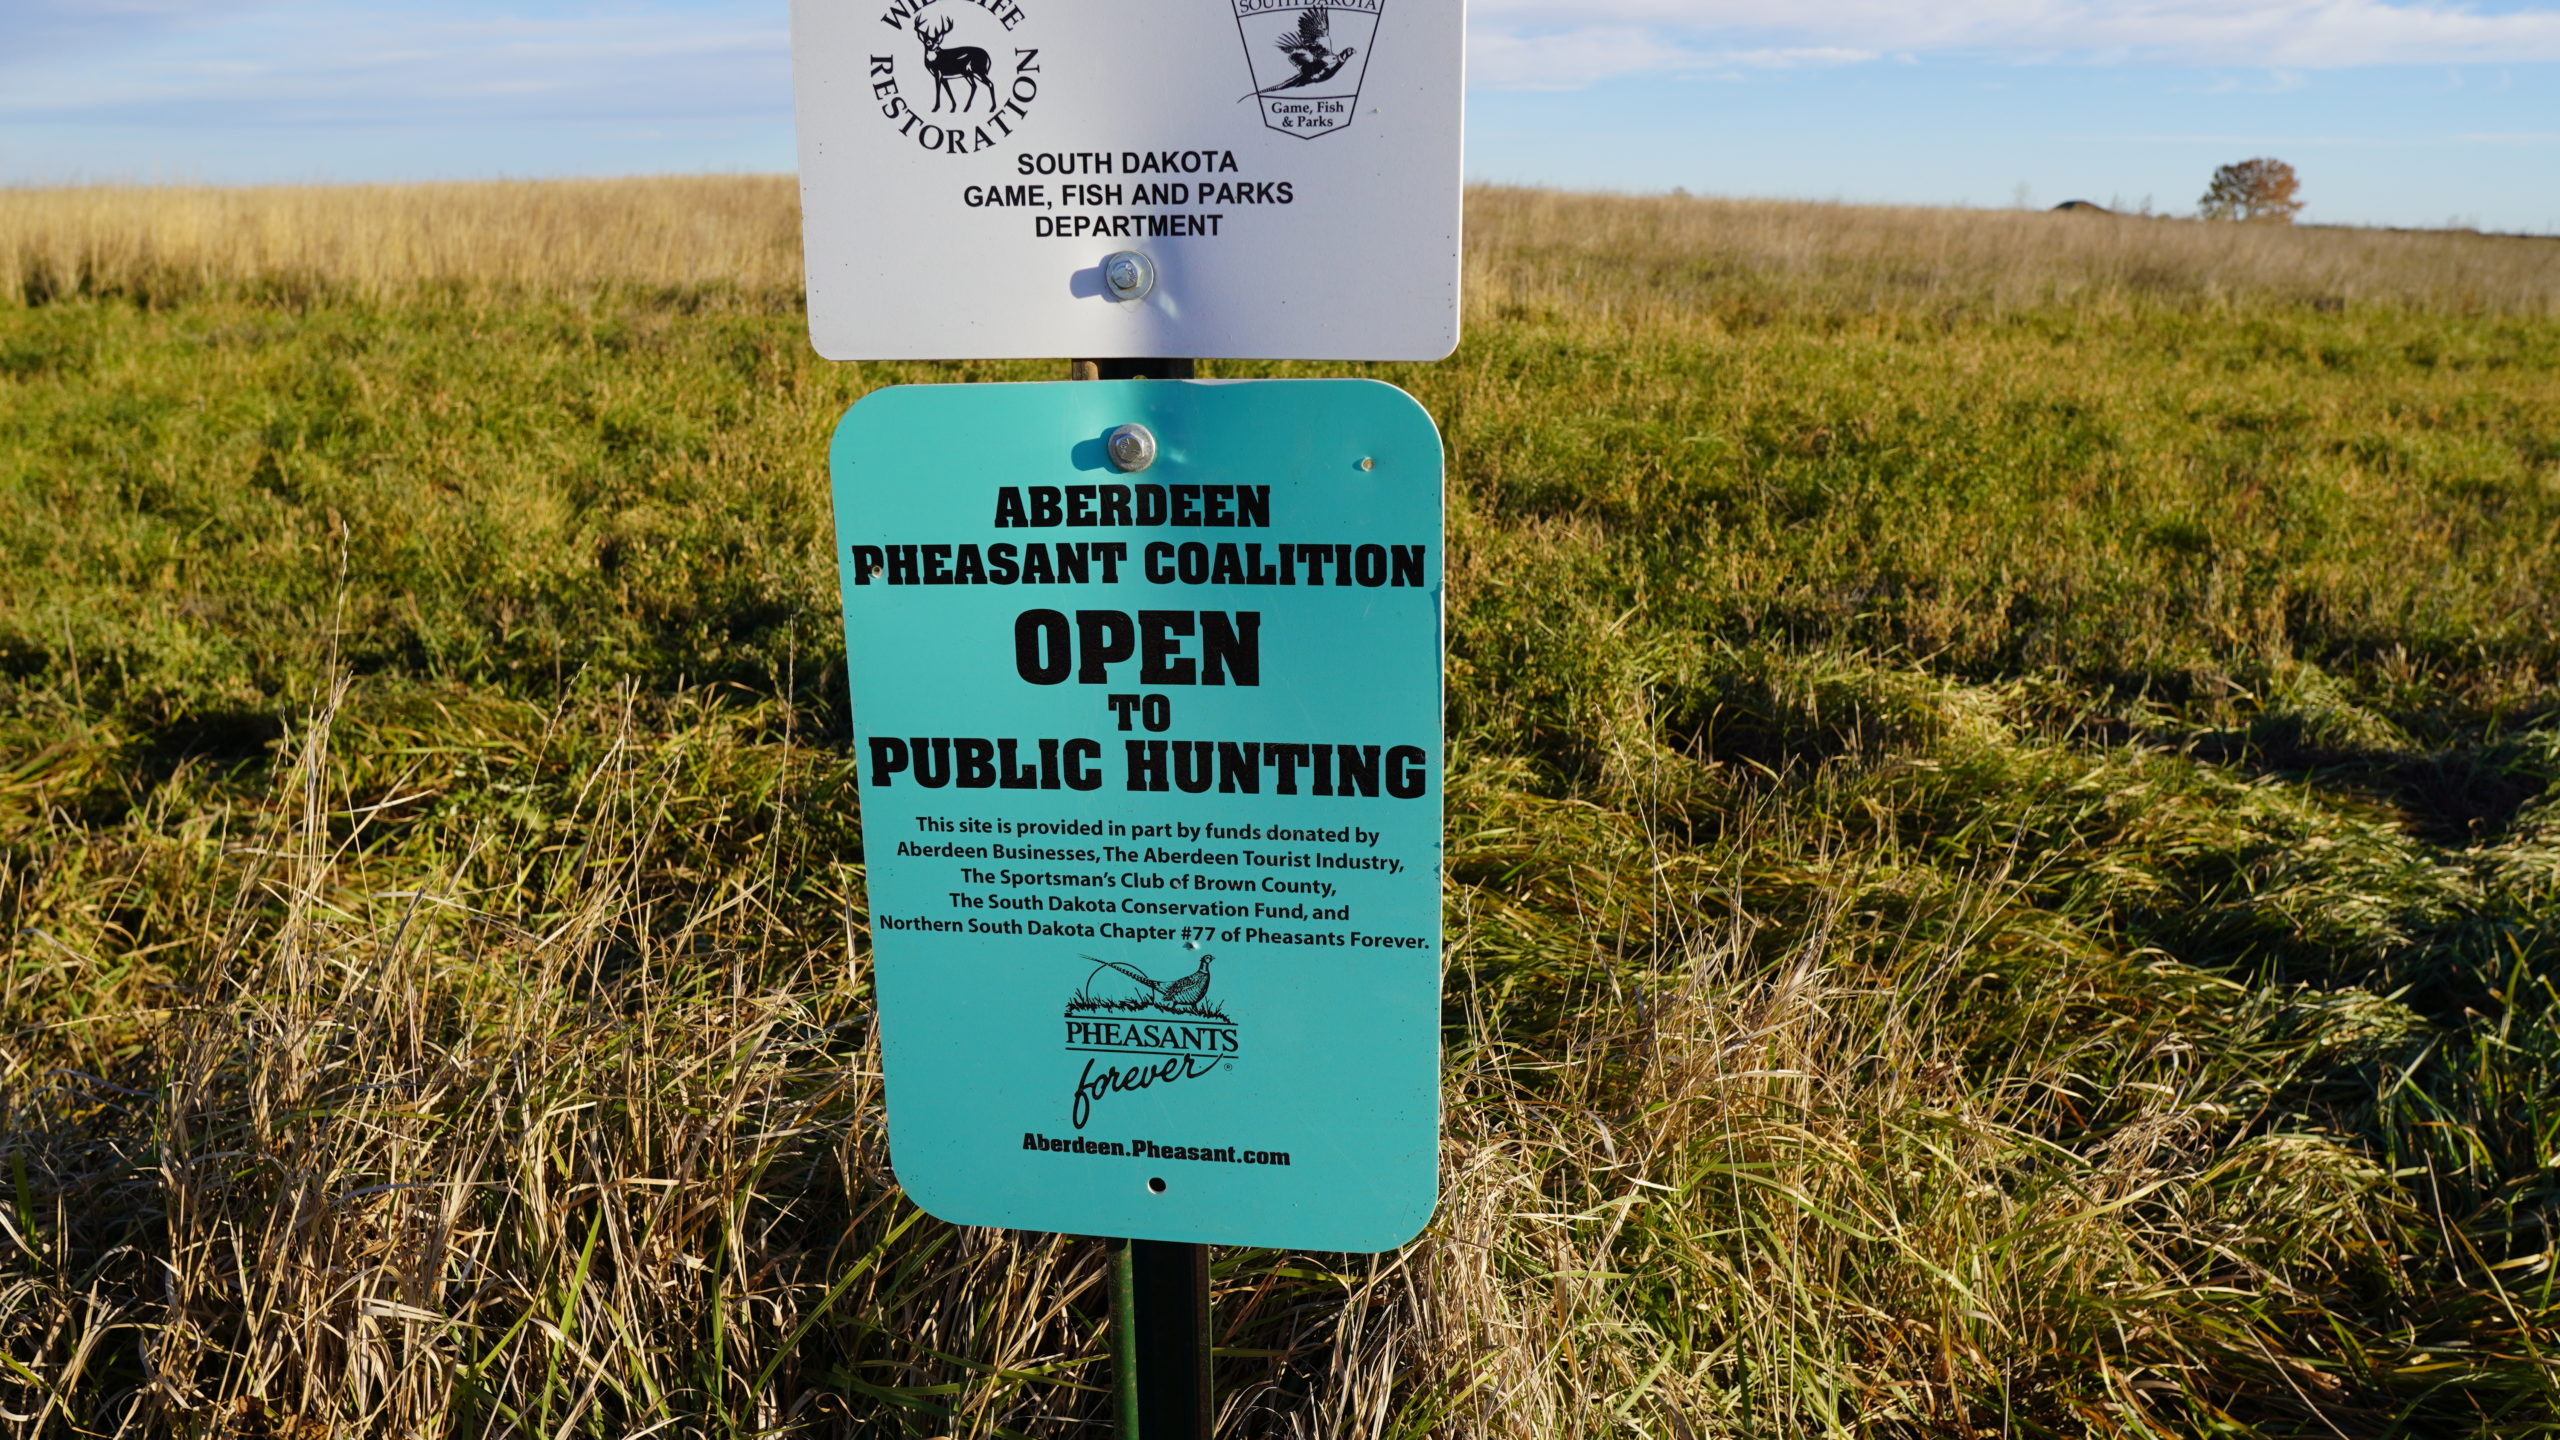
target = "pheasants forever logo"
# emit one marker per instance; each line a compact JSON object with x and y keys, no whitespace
{"x":1136,"y":1032}
{"x":1307,"y":60}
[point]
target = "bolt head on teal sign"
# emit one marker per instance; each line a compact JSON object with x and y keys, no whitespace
{"x":1151,"y":771}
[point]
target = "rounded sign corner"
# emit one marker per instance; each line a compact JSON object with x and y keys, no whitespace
{"x":867,"y":409}
{"x":1397,"y":1232}
{"x":925,"y":1192}
{"x":1407,"y":407}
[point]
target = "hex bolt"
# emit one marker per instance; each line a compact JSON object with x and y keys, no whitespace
{"x":1129,"y":274}
{"x":1131,"y":447}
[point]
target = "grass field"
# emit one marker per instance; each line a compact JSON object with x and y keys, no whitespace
{"x":2002,"y":866}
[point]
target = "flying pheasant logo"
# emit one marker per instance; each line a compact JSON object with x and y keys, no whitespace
{"x":1310,"y":48}
{"x":1307,"y":60}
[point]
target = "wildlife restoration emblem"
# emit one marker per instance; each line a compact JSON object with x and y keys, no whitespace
{"x":955,"y":76}
{"x":1133,"y":1030}
{"x":1307,"y":60}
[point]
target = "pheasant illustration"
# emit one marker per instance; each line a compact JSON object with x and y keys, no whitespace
{"x":1191,"y":989}
{"x":1310,"y":48}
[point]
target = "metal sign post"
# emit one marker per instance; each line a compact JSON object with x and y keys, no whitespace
{"x":1169,"y":1345}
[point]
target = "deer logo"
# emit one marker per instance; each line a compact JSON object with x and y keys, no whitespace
{"x":954,"y":62}
{"x":953,"y":124}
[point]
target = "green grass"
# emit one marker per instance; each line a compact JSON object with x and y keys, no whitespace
{"x":2002,"y":875}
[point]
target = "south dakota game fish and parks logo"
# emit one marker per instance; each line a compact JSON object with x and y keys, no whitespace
{"x":1307,"y":60}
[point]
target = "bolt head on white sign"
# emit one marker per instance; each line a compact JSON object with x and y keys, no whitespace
{"x":1286,"y":173}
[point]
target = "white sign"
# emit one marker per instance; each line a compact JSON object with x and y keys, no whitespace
{"x":1288,"y":169}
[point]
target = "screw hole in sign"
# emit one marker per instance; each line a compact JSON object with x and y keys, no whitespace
{"x":1156,"y":1186}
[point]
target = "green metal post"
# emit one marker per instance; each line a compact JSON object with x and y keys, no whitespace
{"x":1124,"y":1337}
{"x":1171,"y":1284}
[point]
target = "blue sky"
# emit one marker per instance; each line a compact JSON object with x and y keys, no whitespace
{"x":2395,"y":111}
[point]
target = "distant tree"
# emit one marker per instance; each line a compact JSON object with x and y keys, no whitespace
{"x":2262,"y":189}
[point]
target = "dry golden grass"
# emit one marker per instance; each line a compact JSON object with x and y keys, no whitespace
{"x":1620,"y":253}
{"x":377,"y":241}
{"x":1625,"y":255}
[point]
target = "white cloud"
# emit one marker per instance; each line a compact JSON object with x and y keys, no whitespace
{"x":39,"y":30}
{"x":2271,"y":82}
{"x":1572,"y":59}
{"x":414,"y":63}
{"x":1564,"y":43}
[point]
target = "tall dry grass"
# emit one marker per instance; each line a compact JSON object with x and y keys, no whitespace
{"x":529,"y":1137}
{"x":1632,"y":256}
{"x":380,"y":241}
{"x":741,"y":233}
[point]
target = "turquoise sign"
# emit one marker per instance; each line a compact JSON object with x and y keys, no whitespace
{"x":1146,"y":700}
